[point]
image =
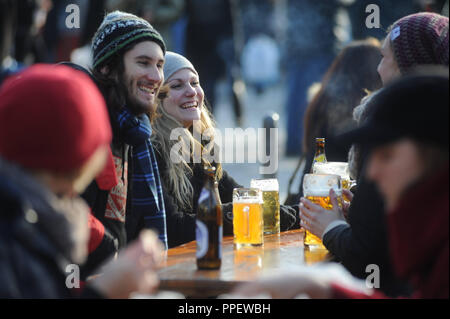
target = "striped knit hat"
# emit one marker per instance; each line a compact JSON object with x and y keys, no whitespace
{"x":117,"y":31}
{"x":420,"y":39}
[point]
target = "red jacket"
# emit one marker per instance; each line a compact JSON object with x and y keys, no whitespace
{"x":418,"y":239}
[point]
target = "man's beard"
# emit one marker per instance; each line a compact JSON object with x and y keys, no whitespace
{"x":135,"y":105}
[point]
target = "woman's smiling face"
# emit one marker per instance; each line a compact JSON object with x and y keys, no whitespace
{"x":185,"y":99}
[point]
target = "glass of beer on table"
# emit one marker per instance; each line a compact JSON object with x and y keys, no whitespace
{"x":271,"y":203}
{"x":248,"y":223}
{"x":316,"y":188}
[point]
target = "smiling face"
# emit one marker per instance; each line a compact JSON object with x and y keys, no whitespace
{"x":143,"y":76}
{"x":388,"y":68}
{"x":185,"y":99}
{"x":394,"y":167}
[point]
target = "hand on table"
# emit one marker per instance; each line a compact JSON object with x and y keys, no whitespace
{"x":134,"y":270}
{"x":316,"y":219}
{"x":316,"y":282}
{"x":286,"y":286}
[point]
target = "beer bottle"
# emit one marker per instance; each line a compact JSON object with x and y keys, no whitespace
{"x":319,"y":156}
{"x":209,"y":224}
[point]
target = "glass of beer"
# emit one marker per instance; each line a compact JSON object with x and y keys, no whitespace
{"x":271,"y":203}
{"x":248,"y":223}
{"x":316,"y":188}
{"x":336,"y":168}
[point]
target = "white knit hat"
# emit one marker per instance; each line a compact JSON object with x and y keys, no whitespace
{"x":175,"y":62}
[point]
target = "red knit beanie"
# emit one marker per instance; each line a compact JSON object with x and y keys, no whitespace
{"x":420,"y":39}
{"x":51,"y":118}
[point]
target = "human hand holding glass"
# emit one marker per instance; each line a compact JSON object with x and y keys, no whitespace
{"x":320,"y":206}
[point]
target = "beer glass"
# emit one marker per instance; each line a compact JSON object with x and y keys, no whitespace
{"x":316,"y":188}
{"x":248,"y":224}
{"x":337,"y":168}
{"x":271,"y":203}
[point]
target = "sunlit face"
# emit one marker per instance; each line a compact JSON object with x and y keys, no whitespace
{"x":393,"y":167}
{"x":143,"y":75}
{"x":185,"y":98}
{"x":388,"y":68}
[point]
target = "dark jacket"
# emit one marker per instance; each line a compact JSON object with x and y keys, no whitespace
{"x":181,"y":223}
{"x":35,"y":241}
{"x":364,"y":241}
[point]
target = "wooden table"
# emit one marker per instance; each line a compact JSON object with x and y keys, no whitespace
{"x":279,"y":253}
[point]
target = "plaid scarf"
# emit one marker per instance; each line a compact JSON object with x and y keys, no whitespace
{"x":147,"y":198}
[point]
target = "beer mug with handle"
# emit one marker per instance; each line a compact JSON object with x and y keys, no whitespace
{"x":316,"y":188}
{"x":248,"y":224}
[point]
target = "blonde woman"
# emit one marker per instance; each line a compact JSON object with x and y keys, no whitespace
{"x":182,"y":112}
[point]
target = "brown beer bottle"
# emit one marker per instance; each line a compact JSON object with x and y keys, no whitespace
{"x":319,"y":156}
{"x":209,"y":223}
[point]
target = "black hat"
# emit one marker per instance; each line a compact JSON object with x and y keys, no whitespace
{"x":415,"y":107}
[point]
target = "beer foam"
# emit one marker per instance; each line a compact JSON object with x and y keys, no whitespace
{"x":336,"y":168}
{"x":265,"y":184}
{"x":247,"y":200}
{"x":320,"y":184}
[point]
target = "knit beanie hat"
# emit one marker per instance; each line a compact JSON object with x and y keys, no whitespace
{"x":117,"y":31}
{"x":420,"y":39}
{"x":51,"y":118}
{"x":174,"y":62}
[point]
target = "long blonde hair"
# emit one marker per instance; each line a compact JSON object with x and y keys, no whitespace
{"x":177,"y":176}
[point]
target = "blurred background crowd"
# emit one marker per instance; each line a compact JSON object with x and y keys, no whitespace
{"x":254,"y":57}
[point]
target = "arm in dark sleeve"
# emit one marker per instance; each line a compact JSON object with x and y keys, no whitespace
{"x":363,"y":241}
{"x":226,"y":186}
{"x":180,"y":225}
{"x":287,"y":217}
